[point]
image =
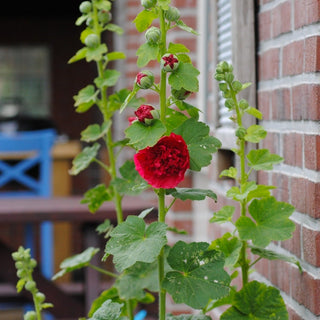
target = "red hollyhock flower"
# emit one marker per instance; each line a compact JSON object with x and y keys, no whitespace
{"x":143,"y":112}
{"x":164,"y":164}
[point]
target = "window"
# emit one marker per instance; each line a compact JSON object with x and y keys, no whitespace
{"x":24,"y":80}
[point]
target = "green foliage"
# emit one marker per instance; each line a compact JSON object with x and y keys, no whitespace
{"x":191,"y":193}
{"x":75,"y":262}
{"x":271,"y":222}
{"x":142,"y":243}
{"x":131,"y":182}
{"x":108,"y":311}
{"x":256,"y":301}
{"x":200,"y":144}
{"x":96,"y":196}
{"x":198,"y":274}
{"x":141,"y":135}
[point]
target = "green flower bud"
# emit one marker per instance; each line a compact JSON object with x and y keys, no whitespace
{"x":85,"y":7}
{"x":219,"y":76}
{"x":145,"y":79}
{"x":152,"y":35}
{"x":40,"y":297}
{"x":89,"y":22}
{"x":169,"y":62}
{"x":180,"y":94}
{"x":243,"y":104}
{"x":92,"y":40}
{"x":241,"y":132}
{"x":30,"y":315}
{"x":237,"y":86}
{"x":104,"y":16}
{"x":229,"y":77}
{"x":172,"y":14}
{"x":147,"y":4}
{"x":30,"y":285}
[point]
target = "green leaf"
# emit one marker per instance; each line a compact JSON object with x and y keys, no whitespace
{"x":262,"y":159}
{"x":124,"y":98}
{"x":140,"y":243}
{"x":272,"y":255}
{"x":84,"y":158}
{"x":230,"y":246}
{"x":185,"y":77}
{"x":255,"y":133}
{"x":115,"y":55}
{"x":174,"y":119}
{"x":175,"y":48}
{"x":94,"y":131}
{"x":134,"y":280}
{"x":96,"y":196}
{"x":198,"y":274}
{"x":142,"y":136}
{"x":225,"y":214}
{"x":200,"y":144}
{"x":236,"y":194}
{"x":114,"y":28}
{"x":188,"y":317}
{"x":80,"y":54}
{"x":147,"y":52}
{"x":85,"y":99}
{"x":191,"y":193}
{"x":231,"y":173}
{"x":260,"y":192}
{"x":95,"y":54}
{"x":110,"y":294}
{"x":254,"y":112}
{"x":184,"y":27}
{"x":271,"y":222}
{"x":184,"y":106}
{"x":109,"y":78}
{"x":77,"y":261}
{"x":108,"y":311}
{"x":103,"y":5}
{"x":131,"y":182}
{"x":256,"y":301}
{"x":144,"y":19}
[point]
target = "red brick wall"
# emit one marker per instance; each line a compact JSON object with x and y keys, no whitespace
{"x":288,"y":96}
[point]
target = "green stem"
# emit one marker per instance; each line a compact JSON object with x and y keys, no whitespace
{"x":161,"y":193}
{"x":106,"y":272}
{"x":129,"y":307}
{"x":243,"y":180}
{"x":162,"y":292}
{"x":37,"y":307}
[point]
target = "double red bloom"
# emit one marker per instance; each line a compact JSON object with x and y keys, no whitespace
{"x":164,"y":164}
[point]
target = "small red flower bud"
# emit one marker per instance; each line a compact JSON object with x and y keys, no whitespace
{"x":169,"y":62}
{"x":144,"y":112}
{"x":144,"y":79}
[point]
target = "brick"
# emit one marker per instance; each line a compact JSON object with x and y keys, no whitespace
{"x":293,"y":151}
{"x":294,"y":244}
{"x":279,"y":275}
{"x":281,"y":19}
{"x":265,"y":25}
{"x":311,"y":246}
{"x":293,"y":58}
{"x":313,"y":199}
{"x":293,"y":315}
{"x":184,"y":3}
{"x":312,"y":152}
{"x":312,"y":54}
{"x":269,"y":64}
{"x":306,"y":12}
{"x":305,"y":102}
{"x":264,"y":104}
{"x":281,"y":104}
{"x":298,"y":194}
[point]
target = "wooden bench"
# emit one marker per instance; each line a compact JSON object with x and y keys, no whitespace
{"x":54,"y":209}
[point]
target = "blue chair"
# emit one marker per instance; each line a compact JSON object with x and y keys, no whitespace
{"x":20,"y":153}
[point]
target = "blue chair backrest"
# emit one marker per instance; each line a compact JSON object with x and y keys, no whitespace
{"x":32,"y":149}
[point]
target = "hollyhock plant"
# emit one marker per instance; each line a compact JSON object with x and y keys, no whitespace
{"x":164,"y":164}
